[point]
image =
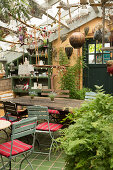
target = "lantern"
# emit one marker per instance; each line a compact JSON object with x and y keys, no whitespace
{"x":69,"y":51}
{"x":77,"y":39}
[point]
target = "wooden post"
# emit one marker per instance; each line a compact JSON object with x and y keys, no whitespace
{"x":36,"y":45}
{"x":103,"y":23}
{"x":59,"y":13}
{"x":78,"y":50}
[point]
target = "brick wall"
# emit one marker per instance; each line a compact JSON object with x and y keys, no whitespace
{"x":5,"y":84}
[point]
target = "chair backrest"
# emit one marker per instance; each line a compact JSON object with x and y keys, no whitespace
{"x":23,"y":127}
{"x":90,"y":95}
{"x":41,"y":112}
{"x":10,"y":107}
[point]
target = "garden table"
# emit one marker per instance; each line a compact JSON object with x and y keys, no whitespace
{"x":3,"y":125}
{"x":61,"y":104}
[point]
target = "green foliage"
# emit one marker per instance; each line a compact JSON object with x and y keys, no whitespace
{"x":70,"y":78}
{"x":88,"y":141}
{"x":63,"y":59}
{"x":15,"y":8}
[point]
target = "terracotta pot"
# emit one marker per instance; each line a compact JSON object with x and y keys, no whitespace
{"x":77,"y":39}
{"x":69,"y":51}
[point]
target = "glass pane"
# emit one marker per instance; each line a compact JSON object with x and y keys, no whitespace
{"x":98,"y":47}
{"x":91,"y":59}
{"x":107,"y":45}
{"x":91,"y":48}
{"x":106,"y":57}
{"x":98,"y":58}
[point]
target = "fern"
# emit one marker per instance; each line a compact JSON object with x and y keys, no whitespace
{"x":88,"y":142}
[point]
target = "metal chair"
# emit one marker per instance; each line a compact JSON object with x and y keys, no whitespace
{"x":11,"y":113}
{"x":16,"y":147}
{"x":44,"y":126}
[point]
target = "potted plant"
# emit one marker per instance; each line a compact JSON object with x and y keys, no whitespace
{"x":32,"y":94}
{"x":52,"y":96}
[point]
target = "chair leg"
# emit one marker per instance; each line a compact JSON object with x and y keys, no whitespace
{"x":52,"y":143}
{"x":25,"y":157}
{"x":2,"y":163}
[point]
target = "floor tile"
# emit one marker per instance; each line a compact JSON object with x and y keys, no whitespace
{"x":47,"y":163}
{"x":59,"y":164}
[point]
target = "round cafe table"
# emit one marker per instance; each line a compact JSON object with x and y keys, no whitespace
{"x":3,"y":125}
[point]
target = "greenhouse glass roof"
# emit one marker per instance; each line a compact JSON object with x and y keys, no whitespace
{"x":47,"y":15}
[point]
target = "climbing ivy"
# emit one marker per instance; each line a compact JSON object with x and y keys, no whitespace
{"x":69,"y":79}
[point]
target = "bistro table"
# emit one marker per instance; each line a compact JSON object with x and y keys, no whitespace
{"x":61,"y":104}
{"x":3,"y":125}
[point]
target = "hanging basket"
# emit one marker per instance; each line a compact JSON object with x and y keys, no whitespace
{"x":69,"y":51}
{"x":77,"y":39}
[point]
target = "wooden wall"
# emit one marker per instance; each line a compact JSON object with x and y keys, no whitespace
{"x":58,"y":43}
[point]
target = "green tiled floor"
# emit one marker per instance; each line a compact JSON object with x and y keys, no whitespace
{"x":40,"y":161}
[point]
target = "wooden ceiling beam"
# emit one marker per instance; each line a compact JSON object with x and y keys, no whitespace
{"x":100,"y":4}
{"x":94,"y":7}
{"x":50,"y":3}
{"x":55,"y":19}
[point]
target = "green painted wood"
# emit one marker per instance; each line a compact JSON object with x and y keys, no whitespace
{"x":39,"y":111}
{"x":24,"y":127}
{"x":96,"y":74}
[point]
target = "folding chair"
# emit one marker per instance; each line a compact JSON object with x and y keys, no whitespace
{"x":11,"y":113}
{"x":15,"y":147}
{"x":9,"y":109}
{"x":44,"y":127}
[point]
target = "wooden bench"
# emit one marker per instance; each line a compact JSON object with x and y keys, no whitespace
{"x":90,"y":95}
{"x":60,"y":93}
{"x":4,"y":95}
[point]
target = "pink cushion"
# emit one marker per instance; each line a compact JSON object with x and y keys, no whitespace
{"x":18,"y":147}
{"x":53,"y":126}
{"x":53,"y":111}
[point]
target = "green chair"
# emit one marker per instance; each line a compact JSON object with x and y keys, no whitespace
{"x":16,"y":147}
{"x":44,"y":126}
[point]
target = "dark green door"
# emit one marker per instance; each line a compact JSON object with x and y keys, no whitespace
{"x":95,"y":72}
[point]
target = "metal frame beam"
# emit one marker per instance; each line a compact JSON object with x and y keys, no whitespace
{"x":77,"y":24}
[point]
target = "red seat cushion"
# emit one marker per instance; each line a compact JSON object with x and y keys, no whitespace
{"x":53,"y":111}
{"x":18,"y":147}
{"x":53,"y":126}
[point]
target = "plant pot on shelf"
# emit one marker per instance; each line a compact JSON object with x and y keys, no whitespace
{"x":52,"y":96}
{"x":32,"y":97}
